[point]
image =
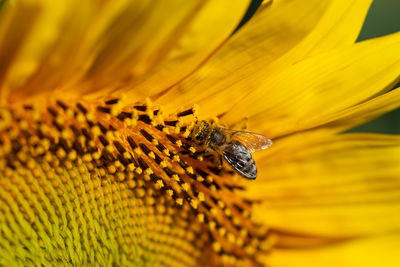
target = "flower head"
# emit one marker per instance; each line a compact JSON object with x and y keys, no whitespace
{"x":99,"y":113}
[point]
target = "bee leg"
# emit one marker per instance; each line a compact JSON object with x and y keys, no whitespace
{"x":217,"y":160}
{"x":214,"y":158}
{"x":220,"y":162}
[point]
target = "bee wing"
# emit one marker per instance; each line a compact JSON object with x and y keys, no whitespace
{"x":252,"y":141}
{"x":239,"y":157}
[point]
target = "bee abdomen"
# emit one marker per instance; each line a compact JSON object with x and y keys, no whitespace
{"x":239,"y":157}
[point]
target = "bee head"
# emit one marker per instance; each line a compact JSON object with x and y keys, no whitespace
{"x":201,"y":130}
{"x":217,"y":137}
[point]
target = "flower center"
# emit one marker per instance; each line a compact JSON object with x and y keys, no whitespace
{"x":130,"y":170}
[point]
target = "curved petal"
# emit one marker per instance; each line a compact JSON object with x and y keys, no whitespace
{"x":363,"y":112}
{"x":230,"y":78}
{"x":317,"y":88}
{"x":371,"y":252}
{"x":206,"y":33}
{"x":343,"y":186}
{"x":254,"y":46}
{"x":94,"y":50}
{"x":50,"y":44}
{"x":340,"y":26}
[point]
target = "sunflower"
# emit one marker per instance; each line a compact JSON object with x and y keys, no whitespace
{"x":99,"y":102}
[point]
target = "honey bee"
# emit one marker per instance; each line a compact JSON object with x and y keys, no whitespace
{"x":235,"y":146}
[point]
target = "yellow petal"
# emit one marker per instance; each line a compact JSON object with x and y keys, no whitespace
{"x":116,"y":43}
{"x":252,"y":56}
{"x":57,"y":47}
{"x":339,"y":26}
{"x":205,"y":33}
{"x":306,"y":94}
{"x":363,"y":112}
{"x":371,"y":252}
{"x":343,"y":186}
{"x":254,"y":46}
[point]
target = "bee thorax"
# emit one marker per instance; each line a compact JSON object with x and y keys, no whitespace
{"x":217,"y":138}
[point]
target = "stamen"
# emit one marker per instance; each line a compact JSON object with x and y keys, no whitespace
{"x":121,"y":158}
{"x":104,"y":109}
{"x":81,"y":108}
{"x":141,"y":108}
{"x":171,"y":123}
{"x":144,"y":118}
{"x":123,"y":115}
{"x":186,"y":112}
{"x":112,"y":101}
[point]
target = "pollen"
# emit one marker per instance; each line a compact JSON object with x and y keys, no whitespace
{"x":130,"y":173}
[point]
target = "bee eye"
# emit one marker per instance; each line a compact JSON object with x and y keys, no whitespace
{"x":198,"y":137}
{"x":217,"y":137}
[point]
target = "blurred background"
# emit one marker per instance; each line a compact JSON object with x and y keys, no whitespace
{"x":383,"y":18}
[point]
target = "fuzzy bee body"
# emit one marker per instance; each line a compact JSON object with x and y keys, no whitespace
{"x":234,"y":146}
